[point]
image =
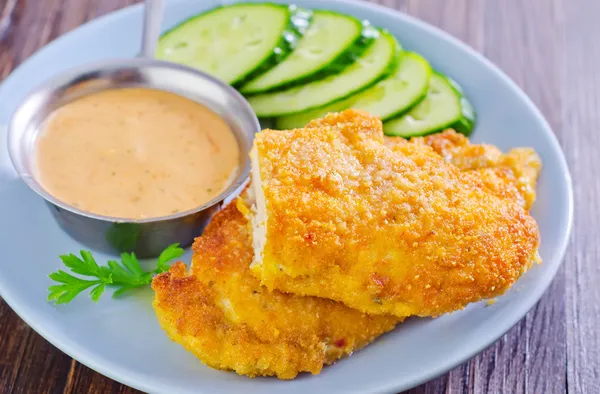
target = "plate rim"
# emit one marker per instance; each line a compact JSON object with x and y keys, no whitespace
{"x":130,"y":379}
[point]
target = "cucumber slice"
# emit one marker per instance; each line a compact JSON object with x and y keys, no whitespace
{"x":235,"y":43}
{"x":332,"y":42}
{"x":389,"y":97}
{"x":444,"y":107}
{"x":376,"y":63}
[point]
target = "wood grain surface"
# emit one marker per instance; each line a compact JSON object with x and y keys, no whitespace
{"x":551,"y":49}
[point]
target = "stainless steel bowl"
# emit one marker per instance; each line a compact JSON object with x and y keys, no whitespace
{"x":146,"y":237}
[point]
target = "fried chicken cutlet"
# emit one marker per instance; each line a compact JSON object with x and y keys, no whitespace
{"x":222,"y":314}
{"x":518,"y":168}
{"x":340,"y":215}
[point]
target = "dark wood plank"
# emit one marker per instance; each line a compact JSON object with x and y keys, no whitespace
{"x":103,"y":7}
{"x":28,"y":363}
{"x":9,"y":14}
{"x":6,"y":16}
{"x":460,"y":18}
{"x":25,"y":40}
{"x":84,"y":380}
{"x":69,"y":15}
{"x":581,"y":139}
{"x":13,"y":331}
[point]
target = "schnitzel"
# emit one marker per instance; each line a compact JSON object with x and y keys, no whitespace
{"x":520,"y":166}
{"x":513,"y":173}
{"x":395,"y":230}
{"x":221,"y":313}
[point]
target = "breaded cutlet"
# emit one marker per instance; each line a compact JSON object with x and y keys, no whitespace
{"x":221,"y":313}
{"x":400,"y":231}
{"x":522,"y":165}
{"x":195,"y":307}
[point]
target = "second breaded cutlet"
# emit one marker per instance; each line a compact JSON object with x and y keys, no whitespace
{"x":221,"y":313}
{"x":342,"y":216}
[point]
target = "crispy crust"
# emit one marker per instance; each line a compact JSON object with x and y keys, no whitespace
{"x":519,"y":167}
{"x":221,"y":313}
{"x":384,"y":229}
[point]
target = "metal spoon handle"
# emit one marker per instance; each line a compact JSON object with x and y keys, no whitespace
{"x":153,"y":16}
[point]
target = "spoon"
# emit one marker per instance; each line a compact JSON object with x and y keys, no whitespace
{"x":153,"y":15}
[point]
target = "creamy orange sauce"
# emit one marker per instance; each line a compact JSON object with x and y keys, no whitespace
{"x":135,"y":153}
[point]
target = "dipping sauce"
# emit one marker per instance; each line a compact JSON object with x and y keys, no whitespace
{"x":135,"y":153}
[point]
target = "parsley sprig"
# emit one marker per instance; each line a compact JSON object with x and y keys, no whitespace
{"x":125,"y":276}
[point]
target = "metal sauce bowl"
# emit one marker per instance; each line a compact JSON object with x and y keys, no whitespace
{"x":145,"y":237}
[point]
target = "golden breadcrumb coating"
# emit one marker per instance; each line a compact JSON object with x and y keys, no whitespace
{"x":457,"y":149}
{"x":522,"y":165}
{"x":499,"y":181}
{"x":384,"y":230}
{"x":222,"y":314}
{"x":525,"y":165}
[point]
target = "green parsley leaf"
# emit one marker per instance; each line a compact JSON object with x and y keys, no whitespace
{"x":97,"y":292}
{"x":70,"y":286}
{"x":170,"y":253}
{"x":132,"y":264}
{"x":124,"y":289}
{"x":87,"y":266}
{"x":125,"y":276}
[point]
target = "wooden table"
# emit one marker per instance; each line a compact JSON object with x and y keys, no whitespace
{"x":551,"y":48}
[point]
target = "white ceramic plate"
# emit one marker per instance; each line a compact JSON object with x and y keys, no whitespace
{"x":122,"y":339}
